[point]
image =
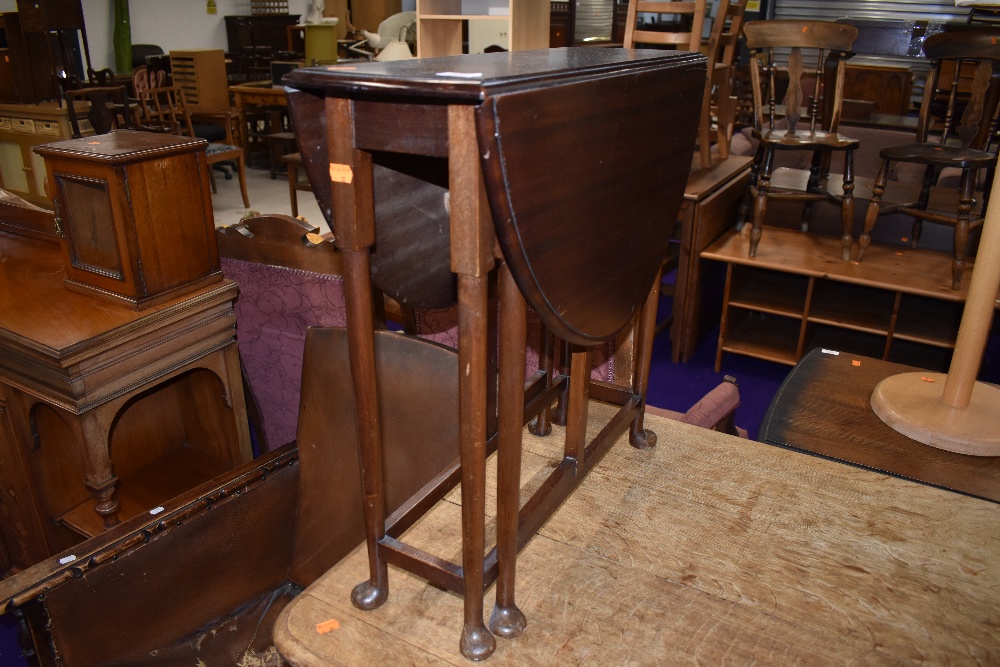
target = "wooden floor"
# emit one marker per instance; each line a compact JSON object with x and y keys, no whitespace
{"x":707,"y":549}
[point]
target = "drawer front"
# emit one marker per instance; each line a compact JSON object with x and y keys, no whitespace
{"x":47,"y":127}
{"x":23,"y":125}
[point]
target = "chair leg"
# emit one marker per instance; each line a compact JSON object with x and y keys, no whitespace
{"x":874,"y":206}
{"x":962,"y":227}
{"x":847,"y":206}
{"x":760,"y":201}
{"x":925,"y":194}
{"x":815,"y":171}
{"x":705,"y":126}
{"x":241,"y":168}
{"x":293,"y":177}
{"x":746,"y":206}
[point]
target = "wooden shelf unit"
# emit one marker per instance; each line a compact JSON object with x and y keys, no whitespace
{"x":441,"y":24}
{"x":798,"y":295}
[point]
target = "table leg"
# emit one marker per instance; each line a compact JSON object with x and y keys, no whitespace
{"x":639,"y":437}
{"x":507,"y":620}
{"x":578,"y":402}
{"x":360,"y":331}
{"x":477,"y":642}
{"x":542,"y":424}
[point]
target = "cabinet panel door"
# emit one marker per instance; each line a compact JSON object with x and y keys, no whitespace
{"x":12,"y":173}
{"x":38,"y":174}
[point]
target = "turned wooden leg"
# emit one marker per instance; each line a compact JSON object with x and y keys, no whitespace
{"x":542,"y":424}
{"x":559,"y":414}
{"x":640,"y":437}
{"x":749,"y":197}
{"x":847,"y":206}
{"x":578,"y":404}
{"x":812,"y":185}
{"x":477,"y":643}
{"x":507,"y":620}
{"x":874,"y":205}
{"x":962,"y":227}
{"x":930,"y":175}
{"x":760,"y":201}
{"x":373,"y":592}
{"x":100,"y":480}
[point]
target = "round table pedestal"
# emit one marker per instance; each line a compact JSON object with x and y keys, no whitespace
{"x":911,"y":403}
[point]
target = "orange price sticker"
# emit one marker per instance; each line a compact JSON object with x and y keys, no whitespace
{"x":327,"y":626}
{"x":855,"y":362}
{"x":924,"y":378}
{"x":805,"y":28}
{"x":341,"y":173}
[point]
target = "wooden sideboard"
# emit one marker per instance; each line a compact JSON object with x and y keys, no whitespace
{"x":106,"y":412}
{"x":22,"y":127}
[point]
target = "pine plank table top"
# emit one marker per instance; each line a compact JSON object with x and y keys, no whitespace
{"x":707,"y":549}
{"x":823,"y":408}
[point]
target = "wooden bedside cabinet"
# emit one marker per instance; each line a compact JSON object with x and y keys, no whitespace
{"x":136,"y":211}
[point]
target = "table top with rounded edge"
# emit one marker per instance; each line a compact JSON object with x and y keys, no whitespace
{"x":584,"y":152}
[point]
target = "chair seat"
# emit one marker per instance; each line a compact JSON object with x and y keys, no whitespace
{"x":935,"y":154}
{"x":217,"y":149}
{"x":805,"y":139}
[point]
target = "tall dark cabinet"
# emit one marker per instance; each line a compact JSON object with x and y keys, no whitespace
{"x":25,"y":63}
{"x":269,"y":30}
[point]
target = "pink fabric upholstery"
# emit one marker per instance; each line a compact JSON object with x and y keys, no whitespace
{"x":277,"y":304}
{"x":441,"y":326}
{"x":708,"y":412}
{"x":274,"y":308}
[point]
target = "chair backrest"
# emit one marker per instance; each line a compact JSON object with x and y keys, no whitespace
{"x":807,"y":89}
{"x":143,"y":79}
{"x":109,"y":108}
{"x":717,"y":104}
{"x":687,"y":17}
{"x":164,"y":109}
{"x":140,"y":52}
{"x":290,"y":279}
{"x":962,"y":94}
{"x":725,"y":34}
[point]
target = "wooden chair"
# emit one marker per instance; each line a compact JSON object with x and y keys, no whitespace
{"x":143,"y":79}
{"x":296,"y":184}
{"x":718,"y":108}
{"x":821,"y":105}
{"x":164,"y":109}
{"x":686,"y":17}
{"x":960,"y":138}
{"x":108,"y":108}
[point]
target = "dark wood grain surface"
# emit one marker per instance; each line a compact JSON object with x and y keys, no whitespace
{"x":823,"y":408}
{"x":585,"y":181}
{"x":468,"y":79}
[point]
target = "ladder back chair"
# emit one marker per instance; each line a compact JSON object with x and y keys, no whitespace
{"x":718,"y":109}
{"x":956,"y":128}
{"x":108,"y":108}
{"x":687,"y":17}
{"x":808,"y":100}
{"x":164,"y":109}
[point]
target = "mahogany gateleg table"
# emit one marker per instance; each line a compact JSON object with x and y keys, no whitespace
{"x":554,"y":175}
